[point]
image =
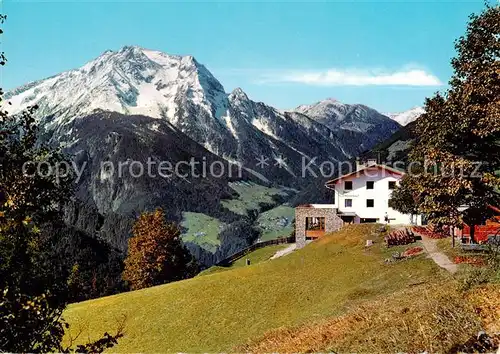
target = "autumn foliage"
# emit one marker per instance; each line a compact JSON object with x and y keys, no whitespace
{"x":458,"y":138}
{"x":156,"y":254}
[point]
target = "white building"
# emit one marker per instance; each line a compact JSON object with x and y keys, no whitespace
{"x":363,"y":195}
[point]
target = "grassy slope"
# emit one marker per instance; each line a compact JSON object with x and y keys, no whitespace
{"x":252,"y":196}
{"x":268,"y":222}
{"x":428,"y":317}
{"x":258,"y":256}
{"x":202,"y":230}
{"x":425,"y":318}
{"x":219,"y":311}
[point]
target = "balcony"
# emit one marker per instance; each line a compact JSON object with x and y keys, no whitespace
{"x":313,"y":234}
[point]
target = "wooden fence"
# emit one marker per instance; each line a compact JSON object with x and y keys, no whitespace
{"x":229,"y":260}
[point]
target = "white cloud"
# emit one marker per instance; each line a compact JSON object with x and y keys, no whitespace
{"x":353,"y":77}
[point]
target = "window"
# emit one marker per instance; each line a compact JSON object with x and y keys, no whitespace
{"x":348,"y":203}
{"x":370,"y":203}
{"x":315,"y":224}
{"x":370,"y":184}
{"x":348,"y":185}
{"x":392,"y":185}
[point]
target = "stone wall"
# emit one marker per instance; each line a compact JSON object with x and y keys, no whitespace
{"x":332,"y":221}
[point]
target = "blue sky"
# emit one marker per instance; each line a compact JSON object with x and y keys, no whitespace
{"x":388,"y":55}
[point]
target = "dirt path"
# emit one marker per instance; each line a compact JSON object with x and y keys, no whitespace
{"x":285,"y":251}
{"x":440,"y":258}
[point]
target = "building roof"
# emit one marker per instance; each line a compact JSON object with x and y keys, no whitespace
{"x":359,"y":171}
{"x":317,"y":206}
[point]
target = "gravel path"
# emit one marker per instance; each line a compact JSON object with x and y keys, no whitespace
{"x":440,"y":258}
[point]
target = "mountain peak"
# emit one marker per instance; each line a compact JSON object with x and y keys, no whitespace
{"x":130,"y":48}
{"x":131,"y":80}
{"x":324,"y":104}
{"x":238,"y":93}
{"x":406,"y":117}
{"x":354,"y":117}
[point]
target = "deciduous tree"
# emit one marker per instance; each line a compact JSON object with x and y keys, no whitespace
{"x":156,"y":254}
{"x":402,"y":198}
{"x":458,"y":138}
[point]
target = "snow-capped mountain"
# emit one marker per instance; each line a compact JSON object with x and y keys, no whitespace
{"x":405,"y":118}
{"x":132,"y":80}
{"x":358,"y":126}
{"x":183,"y":92}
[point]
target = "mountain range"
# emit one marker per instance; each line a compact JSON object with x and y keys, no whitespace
{"x":136,"y":104}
